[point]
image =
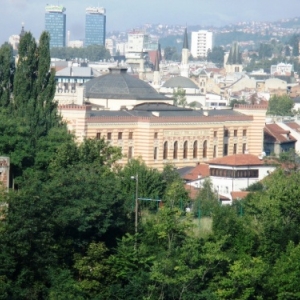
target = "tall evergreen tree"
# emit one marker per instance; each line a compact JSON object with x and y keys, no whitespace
{"x":34,"y":86}
{"x":7,"y":68}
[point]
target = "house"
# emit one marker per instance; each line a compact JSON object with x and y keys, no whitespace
{"x":230,"y":175}
{"x":277,"y":139}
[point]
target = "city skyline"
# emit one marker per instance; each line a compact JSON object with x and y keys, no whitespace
{"x":134,"y":13}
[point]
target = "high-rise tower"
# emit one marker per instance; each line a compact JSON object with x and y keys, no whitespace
{"x":95,"y":26}
{"x":55,"y":24}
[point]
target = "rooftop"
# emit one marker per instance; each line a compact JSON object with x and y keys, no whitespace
{"x":120,"y":85}
{"x":238,"y":160}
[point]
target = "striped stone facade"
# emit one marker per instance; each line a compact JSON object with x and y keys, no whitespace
{"x":180,"y":140}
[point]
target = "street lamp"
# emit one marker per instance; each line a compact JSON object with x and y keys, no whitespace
{"x":136,"y":178}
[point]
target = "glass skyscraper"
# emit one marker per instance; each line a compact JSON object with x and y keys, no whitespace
{"x":95,"y":26}
{"x":55,"y":24}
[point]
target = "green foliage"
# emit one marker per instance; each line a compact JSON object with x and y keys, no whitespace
{"x":294,"y":42}
{"x":171,"y":53}
{"x":207,"y":200}
{"x":235,"y":101}
{"x":216,"y":55}
{"x":179,"y":98}
{"x":7,"y":69}
{"x":280,"y":105}
{"x":91,"y":53}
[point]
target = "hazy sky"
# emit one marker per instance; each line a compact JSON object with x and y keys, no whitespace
{"x":128,"y":14}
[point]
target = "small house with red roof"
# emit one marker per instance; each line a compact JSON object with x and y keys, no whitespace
{"x":230,"y":175}
{"x":278,"y":139}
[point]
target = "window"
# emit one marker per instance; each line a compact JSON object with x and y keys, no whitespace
{"x":130,"y":135}
{"x":155,"y":135}
{"x":225,"y":150}
{"x":195,"y":149}
{"x":155,"y":153}
{"x":234,"y":148}
{"x":215,"y":151}
{"x":244,"y":132}
{"x":226,"y":133}
{"x":175,"y":150}
{"x":185,"y":149}
{"x":215,"y":134}
{"x":129,"y":152}
{"x":205,"y":149}
{"x":120,"y":135}
{"x":98,"y":136}
{"x":109,"y":136}
{"x":244,"y":148}
{"x":165,"y":156}
{"x":235,"y":132}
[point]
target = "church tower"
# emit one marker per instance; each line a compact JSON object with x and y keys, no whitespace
{"x":184,"y":67}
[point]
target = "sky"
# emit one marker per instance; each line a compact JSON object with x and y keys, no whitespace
{"x":124,"y":15}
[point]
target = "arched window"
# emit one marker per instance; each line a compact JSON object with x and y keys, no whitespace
{"x":165,"y":156}
{"x":185,"y":149}
{"x":205,"y":149}
{"x":195,"y":149}
{"x":175,"y":150}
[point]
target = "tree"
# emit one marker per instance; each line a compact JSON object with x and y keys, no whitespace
{"x":206,"y":201}
{"x":169,"y":53}
{"x":216,"y":55}
{"x":280,"y":105}
{"x":294,"y":42}
{"x":7,"y":69}
{"x":179,"y":97}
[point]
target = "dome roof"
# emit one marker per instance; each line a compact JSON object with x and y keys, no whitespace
{"x":120,"y":85}
{"x":180,"y":81}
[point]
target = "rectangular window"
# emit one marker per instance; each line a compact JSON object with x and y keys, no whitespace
{"x":98,"y":136}
{"x":244,"y":148}
{"x":225,"y":150}
{"x":120,"y":135}
{"x":234,"y":148}
{"x":226,"y":133}
{"x":215,"y":151}
{"x":109,"y":136}
{"x":235,"y":132}
{"x":215,"y":133}
{"x":155,"y":135}
{"x":155,"y":153}
{"x":130,"y":136}
{"x":129,"y":152}
{"x":244,"y":132}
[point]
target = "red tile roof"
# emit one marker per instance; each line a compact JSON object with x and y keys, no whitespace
{"x":293,"y":125}
{"x":200,"y":170}
{"x":278,"y":133}
{"x":239,"y":195}
{"x":238,"y":160}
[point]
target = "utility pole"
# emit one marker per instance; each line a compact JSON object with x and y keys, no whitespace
{"x":136,"y":178}
{"x":136,"y":202}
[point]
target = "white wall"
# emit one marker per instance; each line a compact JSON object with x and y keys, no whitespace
{"x":201,"y":41}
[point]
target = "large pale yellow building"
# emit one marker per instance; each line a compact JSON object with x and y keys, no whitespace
{"x":160,"y":133}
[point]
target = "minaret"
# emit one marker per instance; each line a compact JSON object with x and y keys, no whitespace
{"x":156,"y":74}
{"x":22,"y":33}
{"x":184,"y":68}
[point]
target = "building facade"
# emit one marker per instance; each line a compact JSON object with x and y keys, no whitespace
{"x":55,"y":24}
{"x":95,"y":26}
{"x":201,"y":43}
{"x":161,"y":134}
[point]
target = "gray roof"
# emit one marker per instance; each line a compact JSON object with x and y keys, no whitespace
{"x":180,"y":82}
{"x":165,"y":111}
{"x":75,"y":72}
{"x":120,"y":85}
